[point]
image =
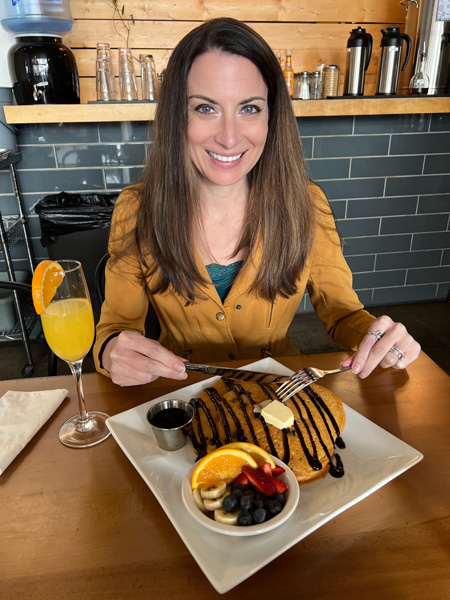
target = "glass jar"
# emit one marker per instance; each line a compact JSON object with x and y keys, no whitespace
{"x":330,"y":81}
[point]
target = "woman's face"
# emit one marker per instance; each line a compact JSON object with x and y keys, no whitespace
{"x":228,"y":117}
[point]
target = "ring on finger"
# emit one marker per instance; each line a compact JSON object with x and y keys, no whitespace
{"x":377,"y":334}
{"x":399,"y":353}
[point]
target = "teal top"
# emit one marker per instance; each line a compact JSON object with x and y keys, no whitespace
{"x":223,"y":276}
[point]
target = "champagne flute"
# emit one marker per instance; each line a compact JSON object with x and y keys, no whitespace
{"x":68,"y":325}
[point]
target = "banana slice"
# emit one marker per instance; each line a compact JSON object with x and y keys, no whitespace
{"x":198,"y":499}
{"x":225,"y":517}
{"x":217,"y":490}
{"x":213,"y":503}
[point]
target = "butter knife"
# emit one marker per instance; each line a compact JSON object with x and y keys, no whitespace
{"x":239,"y":374}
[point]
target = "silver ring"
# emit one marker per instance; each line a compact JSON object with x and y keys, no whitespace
{"x":397,"y":352}
{"x":377,"y":334}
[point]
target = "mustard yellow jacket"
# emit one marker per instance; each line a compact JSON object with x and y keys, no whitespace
{"x":243,"y":326}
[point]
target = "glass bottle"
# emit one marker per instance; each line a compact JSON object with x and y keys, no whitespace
{"x":105,"y":83}
{"x":420,"y":81}
{"x":149,"y":79}
{"x":289,"y":73}
{"x":127,"y":77}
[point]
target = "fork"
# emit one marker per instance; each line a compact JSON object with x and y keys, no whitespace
{"x":302,"y":379}
{"x":295,"y":383}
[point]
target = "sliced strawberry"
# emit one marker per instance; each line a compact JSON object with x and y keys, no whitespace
{"x":280,"y":485}
{"x":260,"y":480}
{"x":242,"y":479}
{"x":266,"y":469}
{"x":277,"y":471}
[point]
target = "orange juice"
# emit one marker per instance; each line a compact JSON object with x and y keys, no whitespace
{"x":69,"y":328}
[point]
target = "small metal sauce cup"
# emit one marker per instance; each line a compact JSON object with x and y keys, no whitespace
{"x":172,"y":438}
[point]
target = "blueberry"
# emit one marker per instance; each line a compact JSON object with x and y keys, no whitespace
{"x":245,"y":502}
{"x":261,"y":496}
{"x":273,"y":507}
{"x":250,"y":492}
{"x":238,"y":493}
{"x":229,"y":503}
{"x":237,"y":486}
{"x":259,"y":515}
{"x":281,"y":498}
{"x":257,"y":503}
{"x":244,"y":518}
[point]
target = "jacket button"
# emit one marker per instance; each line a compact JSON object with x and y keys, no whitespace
{"x":238,"y":307}
{"x":220,"y":316}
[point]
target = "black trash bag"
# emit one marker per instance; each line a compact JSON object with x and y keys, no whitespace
{"x":64,"y":213}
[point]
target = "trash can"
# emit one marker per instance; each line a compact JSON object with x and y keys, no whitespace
{"x":77,"y":226}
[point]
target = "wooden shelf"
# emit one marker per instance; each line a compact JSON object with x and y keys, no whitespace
{"x":145,"y":111}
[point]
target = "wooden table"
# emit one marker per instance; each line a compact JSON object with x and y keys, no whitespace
{"x":83,"y":522}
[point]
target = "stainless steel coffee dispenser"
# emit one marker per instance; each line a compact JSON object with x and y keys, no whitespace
{"x":391,"y":48}
{"x":428,"y":24}
{"x":359,"y":51}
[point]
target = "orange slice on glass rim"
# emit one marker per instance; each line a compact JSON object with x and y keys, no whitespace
{"x":224,"y":463}
{"x":257,"y":453}
{"x":47,"y":278}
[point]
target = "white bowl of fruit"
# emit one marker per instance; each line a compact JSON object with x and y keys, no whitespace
{"x":240,"y":490}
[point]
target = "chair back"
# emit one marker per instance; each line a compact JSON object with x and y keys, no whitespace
{"x":25,"y":288}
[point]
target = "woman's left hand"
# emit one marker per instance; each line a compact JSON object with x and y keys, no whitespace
{"x":387,"y":344}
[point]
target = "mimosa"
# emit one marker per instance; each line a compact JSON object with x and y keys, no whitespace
{"x":61,"y":297}
{"x":69,"y":328}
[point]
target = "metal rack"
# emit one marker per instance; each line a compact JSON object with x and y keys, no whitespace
{"x":12,"y":230}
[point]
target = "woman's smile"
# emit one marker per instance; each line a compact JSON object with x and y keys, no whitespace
{"x":227,"y":159}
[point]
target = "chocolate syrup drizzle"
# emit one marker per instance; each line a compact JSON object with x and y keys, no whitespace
{"x":244,"y":403}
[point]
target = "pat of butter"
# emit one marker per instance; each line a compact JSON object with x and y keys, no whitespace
{"x":278,"y":414}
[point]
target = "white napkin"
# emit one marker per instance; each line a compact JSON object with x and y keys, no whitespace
{"x":22,"y":414}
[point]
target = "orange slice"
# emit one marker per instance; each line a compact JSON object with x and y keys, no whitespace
{"x":46,"y":279}
{"x":257,"y":453}
{"x":224,"y":463}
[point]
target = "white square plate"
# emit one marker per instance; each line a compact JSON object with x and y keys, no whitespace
{"x":372,"y":458}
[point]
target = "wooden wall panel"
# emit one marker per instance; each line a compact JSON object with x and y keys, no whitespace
{"x":364,"y":11}
{"x":316,"y":32}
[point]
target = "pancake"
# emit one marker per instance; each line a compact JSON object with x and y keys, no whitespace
{"x":223,"y":413}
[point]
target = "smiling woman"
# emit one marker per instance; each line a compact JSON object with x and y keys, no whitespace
{"x":225,"y":190}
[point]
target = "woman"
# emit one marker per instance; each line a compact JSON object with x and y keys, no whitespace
{"x":225,"y":231}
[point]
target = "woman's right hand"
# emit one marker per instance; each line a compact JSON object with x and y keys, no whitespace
{"x":132,"y":359}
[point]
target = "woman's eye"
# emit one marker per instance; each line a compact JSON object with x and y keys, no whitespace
{"x":205,"y":109}
{"x":250,"y":109}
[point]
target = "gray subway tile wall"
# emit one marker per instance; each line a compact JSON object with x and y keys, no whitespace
{"x":420,"y":143}
{"x":379,"y":166}
{"x":393,"y":124}
{"x":379,"y":207}
{"x":387,"y":179}
{"x":328,"y":168}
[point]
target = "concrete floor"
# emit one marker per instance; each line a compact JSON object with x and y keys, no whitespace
{"x":428,"y":322}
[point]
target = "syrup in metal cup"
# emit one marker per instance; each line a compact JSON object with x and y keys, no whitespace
{"x":171,"y":422}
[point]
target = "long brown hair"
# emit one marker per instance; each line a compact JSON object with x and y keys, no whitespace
{"x":281,"y":212}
